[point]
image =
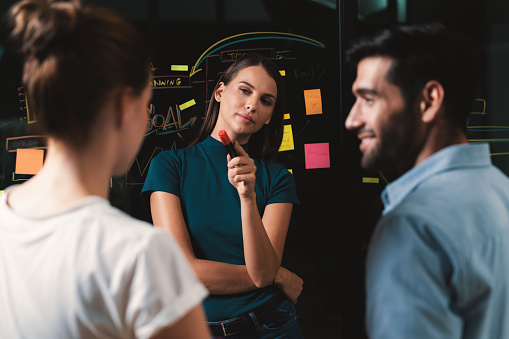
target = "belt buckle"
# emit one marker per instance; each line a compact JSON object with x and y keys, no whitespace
{"x":225,"y":333}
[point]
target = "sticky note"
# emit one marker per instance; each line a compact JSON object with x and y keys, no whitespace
{"x":286,"y":116}
{"x":317,"y":155}
{"x":287,"y":143}
{"x":282,"y":72}
{"x":1,"y":192}
{"x":313,"y":101}
{"x":289,"y":170}
{"x":29,"y":160}
{"x":187,"y":104}
{"x":179,"y":68}
{"x":367,"y":180}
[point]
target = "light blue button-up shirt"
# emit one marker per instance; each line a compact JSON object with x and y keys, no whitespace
{"x":438,"y":262}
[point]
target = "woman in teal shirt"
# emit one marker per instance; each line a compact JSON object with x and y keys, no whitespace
{"x":231,"y":216}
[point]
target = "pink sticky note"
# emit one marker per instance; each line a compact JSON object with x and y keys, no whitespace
{"x":317,"y":155}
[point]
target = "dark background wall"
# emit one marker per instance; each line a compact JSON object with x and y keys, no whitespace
{"x":330,"y":230}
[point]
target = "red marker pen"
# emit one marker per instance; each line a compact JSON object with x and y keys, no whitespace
{"x":225,"y":139}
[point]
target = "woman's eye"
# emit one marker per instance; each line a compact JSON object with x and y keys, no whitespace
{"x":244,"y":90}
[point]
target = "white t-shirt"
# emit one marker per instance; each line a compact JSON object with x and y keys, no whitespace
{"x":90,"y":271}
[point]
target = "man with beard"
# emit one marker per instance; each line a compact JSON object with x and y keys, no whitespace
{"x":438,"y":261}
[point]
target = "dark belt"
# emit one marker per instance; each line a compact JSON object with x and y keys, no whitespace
{"x":264,"y":313}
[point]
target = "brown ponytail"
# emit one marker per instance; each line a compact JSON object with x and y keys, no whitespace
{"x":76,"y":58}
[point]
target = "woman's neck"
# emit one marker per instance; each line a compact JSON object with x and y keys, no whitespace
{"x":241,"y":139}
{"x":66,"y":177}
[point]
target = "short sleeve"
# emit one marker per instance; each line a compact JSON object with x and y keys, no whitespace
{"x":163,"y":175}
{"x":163,"y":286}
{"x":408,"y":288}
{"x":283,"y":188}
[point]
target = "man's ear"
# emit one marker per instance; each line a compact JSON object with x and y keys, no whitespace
{"x":432,"y":101}
{"x":218,"y":94}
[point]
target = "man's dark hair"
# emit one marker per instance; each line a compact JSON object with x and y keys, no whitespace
{"x":427,"y":52}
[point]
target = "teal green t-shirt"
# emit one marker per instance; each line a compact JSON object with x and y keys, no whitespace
{"x":198,"y":175}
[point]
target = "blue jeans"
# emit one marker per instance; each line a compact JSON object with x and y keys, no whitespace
{"x":282,"y":329}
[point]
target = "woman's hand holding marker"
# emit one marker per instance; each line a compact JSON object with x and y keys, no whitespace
{"x":225,"y":139}
{"x":241,"y":172}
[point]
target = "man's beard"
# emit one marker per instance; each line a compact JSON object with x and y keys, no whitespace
{"x":397,"y":144}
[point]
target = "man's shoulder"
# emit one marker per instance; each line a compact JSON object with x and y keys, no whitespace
{"x":459,"y":204}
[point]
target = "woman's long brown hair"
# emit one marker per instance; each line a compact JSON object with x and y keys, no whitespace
{"x":266,"y":142}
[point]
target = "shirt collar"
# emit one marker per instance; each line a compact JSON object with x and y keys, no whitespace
{"x":210,"y":141}
{"x":464,"y":155}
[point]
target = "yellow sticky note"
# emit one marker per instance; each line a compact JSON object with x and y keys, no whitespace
{"x":187,"y":104}
{"x":1,"y":192}
{"x":367,"y":180}
{"x":282,"y":72}
{"x":287,"y":143}
{"x":287,"y":116}
{"x":313,"y":100}
{"x":28,"y":161}
{"x":290,"y":170}
{"x":179,"y":68}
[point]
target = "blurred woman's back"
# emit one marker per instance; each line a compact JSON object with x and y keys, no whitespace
{"x":73,"y":266}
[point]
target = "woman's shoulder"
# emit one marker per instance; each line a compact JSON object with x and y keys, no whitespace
{"x":274,"y":174}
{"x":173,"y":155}
{"x":273,"y":167}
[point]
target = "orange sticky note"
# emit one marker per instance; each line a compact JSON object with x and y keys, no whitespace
{"x":313,"y":100}
{"x":28,"y":160}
